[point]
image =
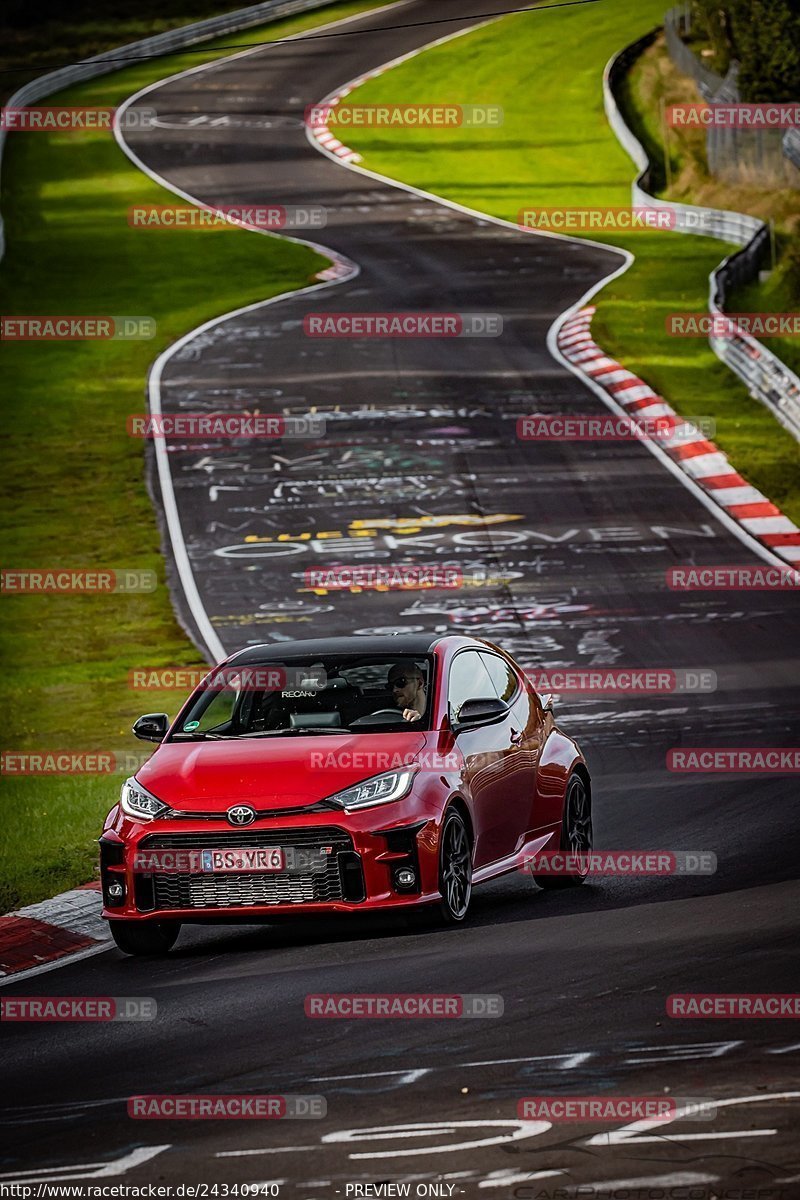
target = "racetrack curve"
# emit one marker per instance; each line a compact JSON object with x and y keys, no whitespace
{"x":424,"y":431}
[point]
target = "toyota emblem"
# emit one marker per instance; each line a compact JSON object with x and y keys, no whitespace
{"x":241,"y":814}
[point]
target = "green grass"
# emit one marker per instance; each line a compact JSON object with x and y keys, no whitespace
{"x":73,"y":480}
{"x":556,"y":148}
{"x":41,"y":38}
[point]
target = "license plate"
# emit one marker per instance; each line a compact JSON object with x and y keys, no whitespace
{"x":228,"y":862}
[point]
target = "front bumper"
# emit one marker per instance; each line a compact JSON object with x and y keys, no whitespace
{"x":336,"y":863}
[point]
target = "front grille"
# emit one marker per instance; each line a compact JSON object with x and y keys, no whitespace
{"x":223,"y":891}
{"x":230,"y":891}
{"x":313,"y":836}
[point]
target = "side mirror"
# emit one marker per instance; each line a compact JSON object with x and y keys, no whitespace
{"x":479,"y":712}
{"x":153,"y":727}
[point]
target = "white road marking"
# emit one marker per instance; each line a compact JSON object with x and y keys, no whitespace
{"x":506,"y":1177}
{"x":678,"y":1179}
{"x":96,"y":1170}
{"x":569,"y":1061}
{"x":516,"y":1131}
{"x":631,"y":1133}
{"x":263,"y":1150}
{"x":403,"y":1076}
{"x":681,"y":1053}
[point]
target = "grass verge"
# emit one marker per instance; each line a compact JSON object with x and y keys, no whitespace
{"x":73,"y":480}
{"x":555,"y":148}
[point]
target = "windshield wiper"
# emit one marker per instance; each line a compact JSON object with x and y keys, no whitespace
{"x":295,"y":729}
{"x":258,"y":733}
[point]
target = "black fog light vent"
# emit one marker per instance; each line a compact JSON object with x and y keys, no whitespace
{"x":112,"y":854}
{"x":351,"y":874}
{"x":143,"y":892}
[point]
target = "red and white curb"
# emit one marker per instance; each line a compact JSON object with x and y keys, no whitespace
{"x":35,"y":938}
{"x":317,"y":122}
{"x":686,"y":446}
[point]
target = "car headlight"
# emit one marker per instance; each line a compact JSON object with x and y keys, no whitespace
{"x":135,"y":801}
{"x":381,"y":789}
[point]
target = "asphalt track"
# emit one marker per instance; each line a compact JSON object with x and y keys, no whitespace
{"x":425,"y":430}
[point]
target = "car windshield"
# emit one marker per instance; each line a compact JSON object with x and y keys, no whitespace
{"x":310,"y":697}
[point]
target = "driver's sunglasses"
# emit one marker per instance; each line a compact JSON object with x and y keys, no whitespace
{"x":398,"y":681}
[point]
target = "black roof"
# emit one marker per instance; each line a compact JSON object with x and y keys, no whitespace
{"x":402,"y":645}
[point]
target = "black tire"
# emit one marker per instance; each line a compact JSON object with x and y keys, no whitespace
{"x":455,"y":869}
{"x":576,"y":832}
{"x":151,"y":938}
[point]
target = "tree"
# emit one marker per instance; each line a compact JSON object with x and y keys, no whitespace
{"x":763,"y":36}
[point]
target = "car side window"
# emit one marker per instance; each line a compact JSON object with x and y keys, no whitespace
{"x":469,"y":680}
{"x":503,"y":677}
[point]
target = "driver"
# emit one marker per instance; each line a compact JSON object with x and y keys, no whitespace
{"x":408,"y":689}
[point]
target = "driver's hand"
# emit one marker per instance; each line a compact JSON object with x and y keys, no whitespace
{"x":411,"y":714}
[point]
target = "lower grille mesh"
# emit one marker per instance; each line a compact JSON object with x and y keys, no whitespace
{"x":228,"y":891}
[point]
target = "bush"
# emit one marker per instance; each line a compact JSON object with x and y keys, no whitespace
{"x":763,"y":36}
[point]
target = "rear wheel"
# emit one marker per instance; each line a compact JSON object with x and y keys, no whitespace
{"x":148,"y":938}
{"x":576,"y":833}
{"x":455,"y":869}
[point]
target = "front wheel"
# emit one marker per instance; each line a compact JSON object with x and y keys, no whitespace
{"x":455,"y":869}
{"x":576,"y":834}
{"x":150,"y":938}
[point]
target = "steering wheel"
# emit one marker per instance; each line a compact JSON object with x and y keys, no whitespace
{"x":382,"y":712}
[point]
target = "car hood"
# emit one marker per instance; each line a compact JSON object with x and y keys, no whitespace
{"x":280,"y":772}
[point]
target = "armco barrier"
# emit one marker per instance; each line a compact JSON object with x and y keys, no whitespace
{"x":160,"y":43}
{"x":768,"y":379}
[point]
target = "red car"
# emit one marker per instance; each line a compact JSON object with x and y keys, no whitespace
{"x":341,"y":775}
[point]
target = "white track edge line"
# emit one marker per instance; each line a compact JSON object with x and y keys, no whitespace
{"x":657,"y":451}
{"x":207,"y":632}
